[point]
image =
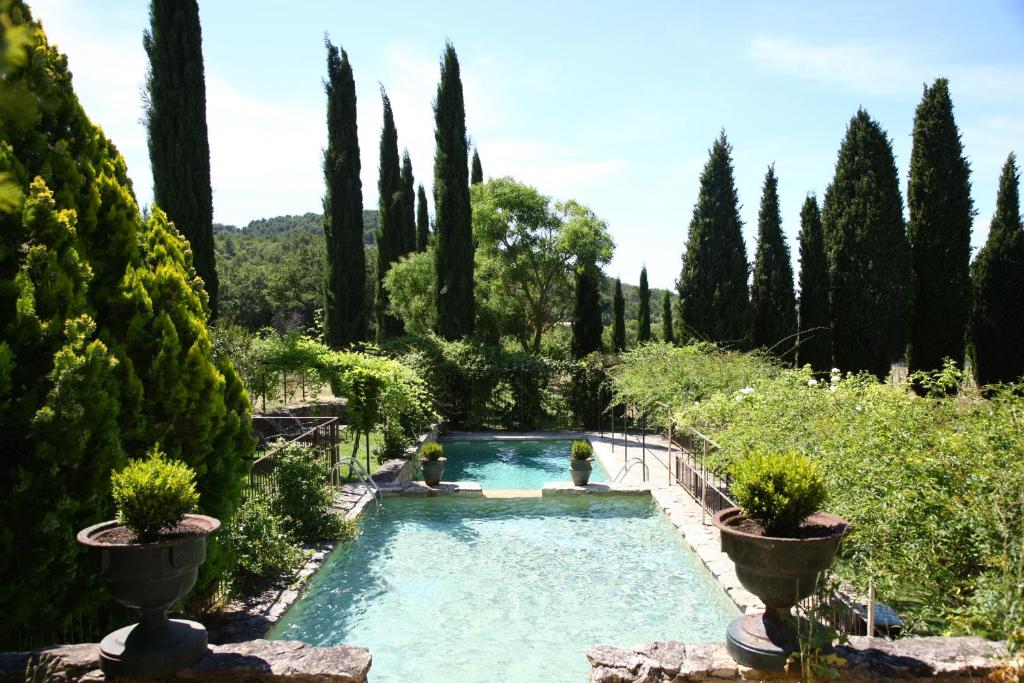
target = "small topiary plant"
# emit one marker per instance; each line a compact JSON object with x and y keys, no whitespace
{"x":154,"y":494}
{"x":432,"y":451}
{"x":582,"y":450}
{"x":777,"y":490}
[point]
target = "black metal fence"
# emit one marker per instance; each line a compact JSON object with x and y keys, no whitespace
{"x":322,"y":434}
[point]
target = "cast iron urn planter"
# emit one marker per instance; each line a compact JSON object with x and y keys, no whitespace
{"x":580,"y":470}
{"x":150,"y":577}
{"x":433,"y":470}
{"x":781,"y":572}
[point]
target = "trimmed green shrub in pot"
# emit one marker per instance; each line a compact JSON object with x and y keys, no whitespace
{"x":432,"y":451}
{"x":581,"y":462}
{"x":432,"y":462}
{"x":582,"y":450}
{"x":777,"y":490}
{"x":154,"y":494}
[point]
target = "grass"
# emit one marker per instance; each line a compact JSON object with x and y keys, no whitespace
{"x":345,"y":447}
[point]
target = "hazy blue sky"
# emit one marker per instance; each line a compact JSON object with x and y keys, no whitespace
{"x":614,"y":104}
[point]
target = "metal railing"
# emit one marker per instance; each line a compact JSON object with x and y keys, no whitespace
{"x":322,"y":434}
{"x":361,"y":474}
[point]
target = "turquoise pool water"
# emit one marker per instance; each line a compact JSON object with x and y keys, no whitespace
{"x":511,"y":464}
{"x":510,"y":590}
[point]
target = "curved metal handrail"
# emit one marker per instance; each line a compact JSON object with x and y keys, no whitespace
{"x":627,"y":466}
{"x":361,"y":474}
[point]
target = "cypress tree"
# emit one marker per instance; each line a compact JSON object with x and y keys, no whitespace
{"x":667,"y":335}
{"x":941,"y":211}
{"x":478,"y":171}
{"x":713,"y":292}
{"x":408,"y":206}
{"x":179,"y":146}
{"x":997,"y":316}
{"x":868,"y":252}
{"x":391,"y":221}
{"x":453,"y":240}
{"x":422,"y":220}
{"x":586,"y":315}
{"x":772,"y":298}
{"x":815,"y":322}
{"x":345,"y":314}
{"x":619,"y":318}
{"x":644,"y":315}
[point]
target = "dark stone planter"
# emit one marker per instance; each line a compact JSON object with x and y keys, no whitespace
{"x":580,"y":470}
{"x":433,"y":470}
{"x":150,"y":577}
{"x":781,"y":572}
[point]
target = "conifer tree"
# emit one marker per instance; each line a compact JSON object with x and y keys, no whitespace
{"x":815,"y":322}
{"x":868,"y":252}
{"x":667,"y":334}
{"x":997,"y":316}
{"x":478,"y":170}
{"x":713,"y":293}
{"x":453,"y":239}
{"x":774,"y":304}
{"x":390,"y":221}
{"x":422,"y":220}
{"x":179,"y":146}
{"x":618,"y":318}
{"x":586,"y":315}
{"x":941,"y":212}
{"x":345,"y":304}
{"x":644,"y":314}
{"x":408,"y":206}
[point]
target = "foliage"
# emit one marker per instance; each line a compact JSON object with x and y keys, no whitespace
{"x":586,"y":315}
{"x":346,"y":308}
{"x":863,"y":224}
{"x":815,"y":347}
{"x":941,"y":214}
{"x":589,"y":391}
{"x":154,"y":494}
{"x":303,"y":497}
{"x":453,"y":238}
{"x":262,"y":548}
{"x":432,"y":451}
{"x":777,"y":490}
{"x":644,"y":317}
{"x":477,"y":175}
{"x":713,"y":283}
{"x":409,"y":284}
{"x":179,"y":146}
{"x":391,"y":234}
{"x":618,"y":319}
{"x":997,"y":319}
{"x":422,"y":220}
{"x":667,"y":334}
{"x":407,"y":187}
{"x":771,"y":292}
{"x":582,"y":450}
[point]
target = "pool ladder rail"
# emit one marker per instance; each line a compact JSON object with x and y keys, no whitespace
{"x":628,"y":465}
{"x":362,"y":475}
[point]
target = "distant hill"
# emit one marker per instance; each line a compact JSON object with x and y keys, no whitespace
{"x":280,"y":227}
{"x":631,"y":293}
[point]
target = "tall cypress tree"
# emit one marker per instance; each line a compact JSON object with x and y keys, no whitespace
{"x":941,"y":211}
{"x":868,"y":252}
{"x":422,"y":220}
{"x":586,"y":314}
{"x":997,"y":316}
{"x":774,"y":304}
{"x":618,"y":318}
{"x":478,"y":171}
{"x":667,"y":335}
{"x":179,"y":146}
{"x":644,"y":315}
{"x":453,"y":240}
{"x":390,"y":221}
{"x":713,"y":285}
{"x":407,"y":183}
{"x":815,"y":322}
{"x":345,"y":314}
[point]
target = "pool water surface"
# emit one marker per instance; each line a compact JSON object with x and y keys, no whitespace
{"x":512,"y":464}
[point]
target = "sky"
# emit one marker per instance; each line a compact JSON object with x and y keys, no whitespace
{"x":612,"y":104}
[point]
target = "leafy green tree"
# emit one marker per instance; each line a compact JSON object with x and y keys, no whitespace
{"x":345,"y":300}
{"x":644,"y":317}
{"x":391,"y":234}
{"x":868,"y":252}
{"x":941,"y":212}
{"x":771,"y":293}
{"x":407,"y":184}
{"x":536,"y":247}
{"x":586,"y":315}
{"x":618,"y":318}
{"x":422,"y":221}
{"x":410,"y":284}
{"x":179,"y":146}
{"x":104,"y":349}
{"x":713,"y":292}
{"x":453,"y":248}
{"x":815,"y":322}
{"x":478,"y":171}
{"x":997,"y":317}
{"x":667,"y":334}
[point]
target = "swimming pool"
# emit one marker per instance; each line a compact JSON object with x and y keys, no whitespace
{"x":455,"y":589}
{"x":512,"y":464}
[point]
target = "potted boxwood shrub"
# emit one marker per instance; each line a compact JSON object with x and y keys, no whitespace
{"x":149,"y":558}
{"x":781,"y":543}
{"x":432,"y":462}
{"x":581,"y":462}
